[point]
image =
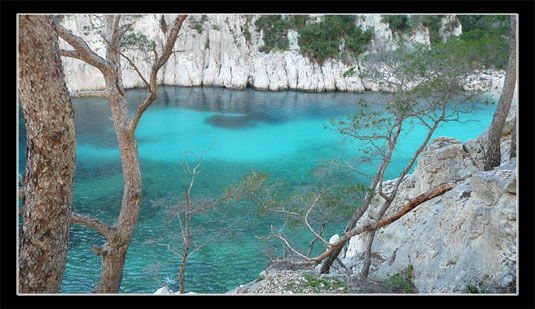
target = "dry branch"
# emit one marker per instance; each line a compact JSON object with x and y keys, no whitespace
{"x":365,"y":228}
{"x":158,"y":63}
{"x":90,"y":93}
{"x":374,"y":226}
{"x":135,"y":68}
{"x":91,"y":222}
{"x":83,"y":51}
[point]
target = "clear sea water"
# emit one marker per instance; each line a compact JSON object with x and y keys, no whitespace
{"x":279,"y":133}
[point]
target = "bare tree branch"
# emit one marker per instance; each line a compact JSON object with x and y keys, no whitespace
{"x":91,"y":222}
{"x":394,"y":217}
{"x":124,"y":28}
{"x":115,"y":33}
{"x":311,"y":245}
{"x":90,"y":93}
{"x":135,"y":68}
{"x":285,"y":242}
{"x":158,"y":63}
{"x":83,"y":51}
{"x":326,"y":243}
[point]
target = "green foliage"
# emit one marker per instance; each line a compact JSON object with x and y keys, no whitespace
{"x":435,"y":75}
{"x":483,"y":22}
{"x":488,"y":37}
{"x":163,"y":24}
{"x":275,"y":31}
{"x":358,"y":41}
{"x":320,"y":41}
{"x":197,"y":24}
{"x":86,"y":30}
{"x":247,"y":34}
{"x":404,"y":24}
{"x":137,"y":41}
{"x":269,"y":196}
{"x":472,"y":289}
{"x":322,"y":284}
{"x":398,"y":23}
{"x":350,"y":71}
{"x":400,"y":282}
{"x":433,"y":23}
{"x":258,"y":187}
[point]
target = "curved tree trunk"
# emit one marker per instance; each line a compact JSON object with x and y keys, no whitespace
{"x":119,"y":235}
{"x":51,"y":156}
{"x":114,"y":251}
{"x":504,"y":103}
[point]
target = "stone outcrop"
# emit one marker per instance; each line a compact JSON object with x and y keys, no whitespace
{"x":287,"y":282}
{"x":449,"y":27}
{"x":223,"y":51}
{"x":467,"y":237}
{"x":490,"y":81}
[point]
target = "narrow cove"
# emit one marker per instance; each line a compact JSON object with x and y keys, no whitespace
{"x":279,"y":133}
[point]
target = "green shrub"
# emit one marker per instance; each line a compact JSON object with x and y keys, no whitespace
{"x":433,"y":23}
{"x":488,"y":36}
{"x":197,"y":24}
{"x":137,"y":41}
{"x":483,"y":22}
{"x":320,"y":41}
{"x":472,"y":289}
{"x":163,"y":24}
{"x":491,"y":47}
{"x":397,"y":23}
{"x":400,"y":282}
{"x":247,"y":34}
{"x":275,"y":32}
{"x":321,"y":284}
{"x":349,"y":72}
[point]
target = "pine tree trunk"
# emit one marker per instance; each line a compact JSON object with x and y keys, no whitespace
{"x":50,"y":157}
{"x":504,"y":103}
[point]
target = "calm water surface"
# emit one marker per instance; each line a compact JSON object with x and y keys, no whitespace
{"x":280,"y":133}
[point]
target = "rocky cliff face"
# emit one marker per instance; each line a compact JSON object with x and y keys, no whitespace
{"x":467,"y":237}
{"x":223,"y":51}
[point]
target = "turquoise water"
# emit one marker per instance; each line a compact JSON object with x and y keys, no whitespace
{"x":279,"y":133}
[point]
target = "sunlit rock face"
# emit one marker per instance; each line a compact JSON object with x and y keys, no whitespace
{"x":223,"y":51}
{"x":449,"y":28}
{"x":466,"y":237}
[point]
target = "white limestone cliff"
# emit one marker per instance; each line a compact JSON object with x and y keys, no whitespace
{"x":217,"y":52}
